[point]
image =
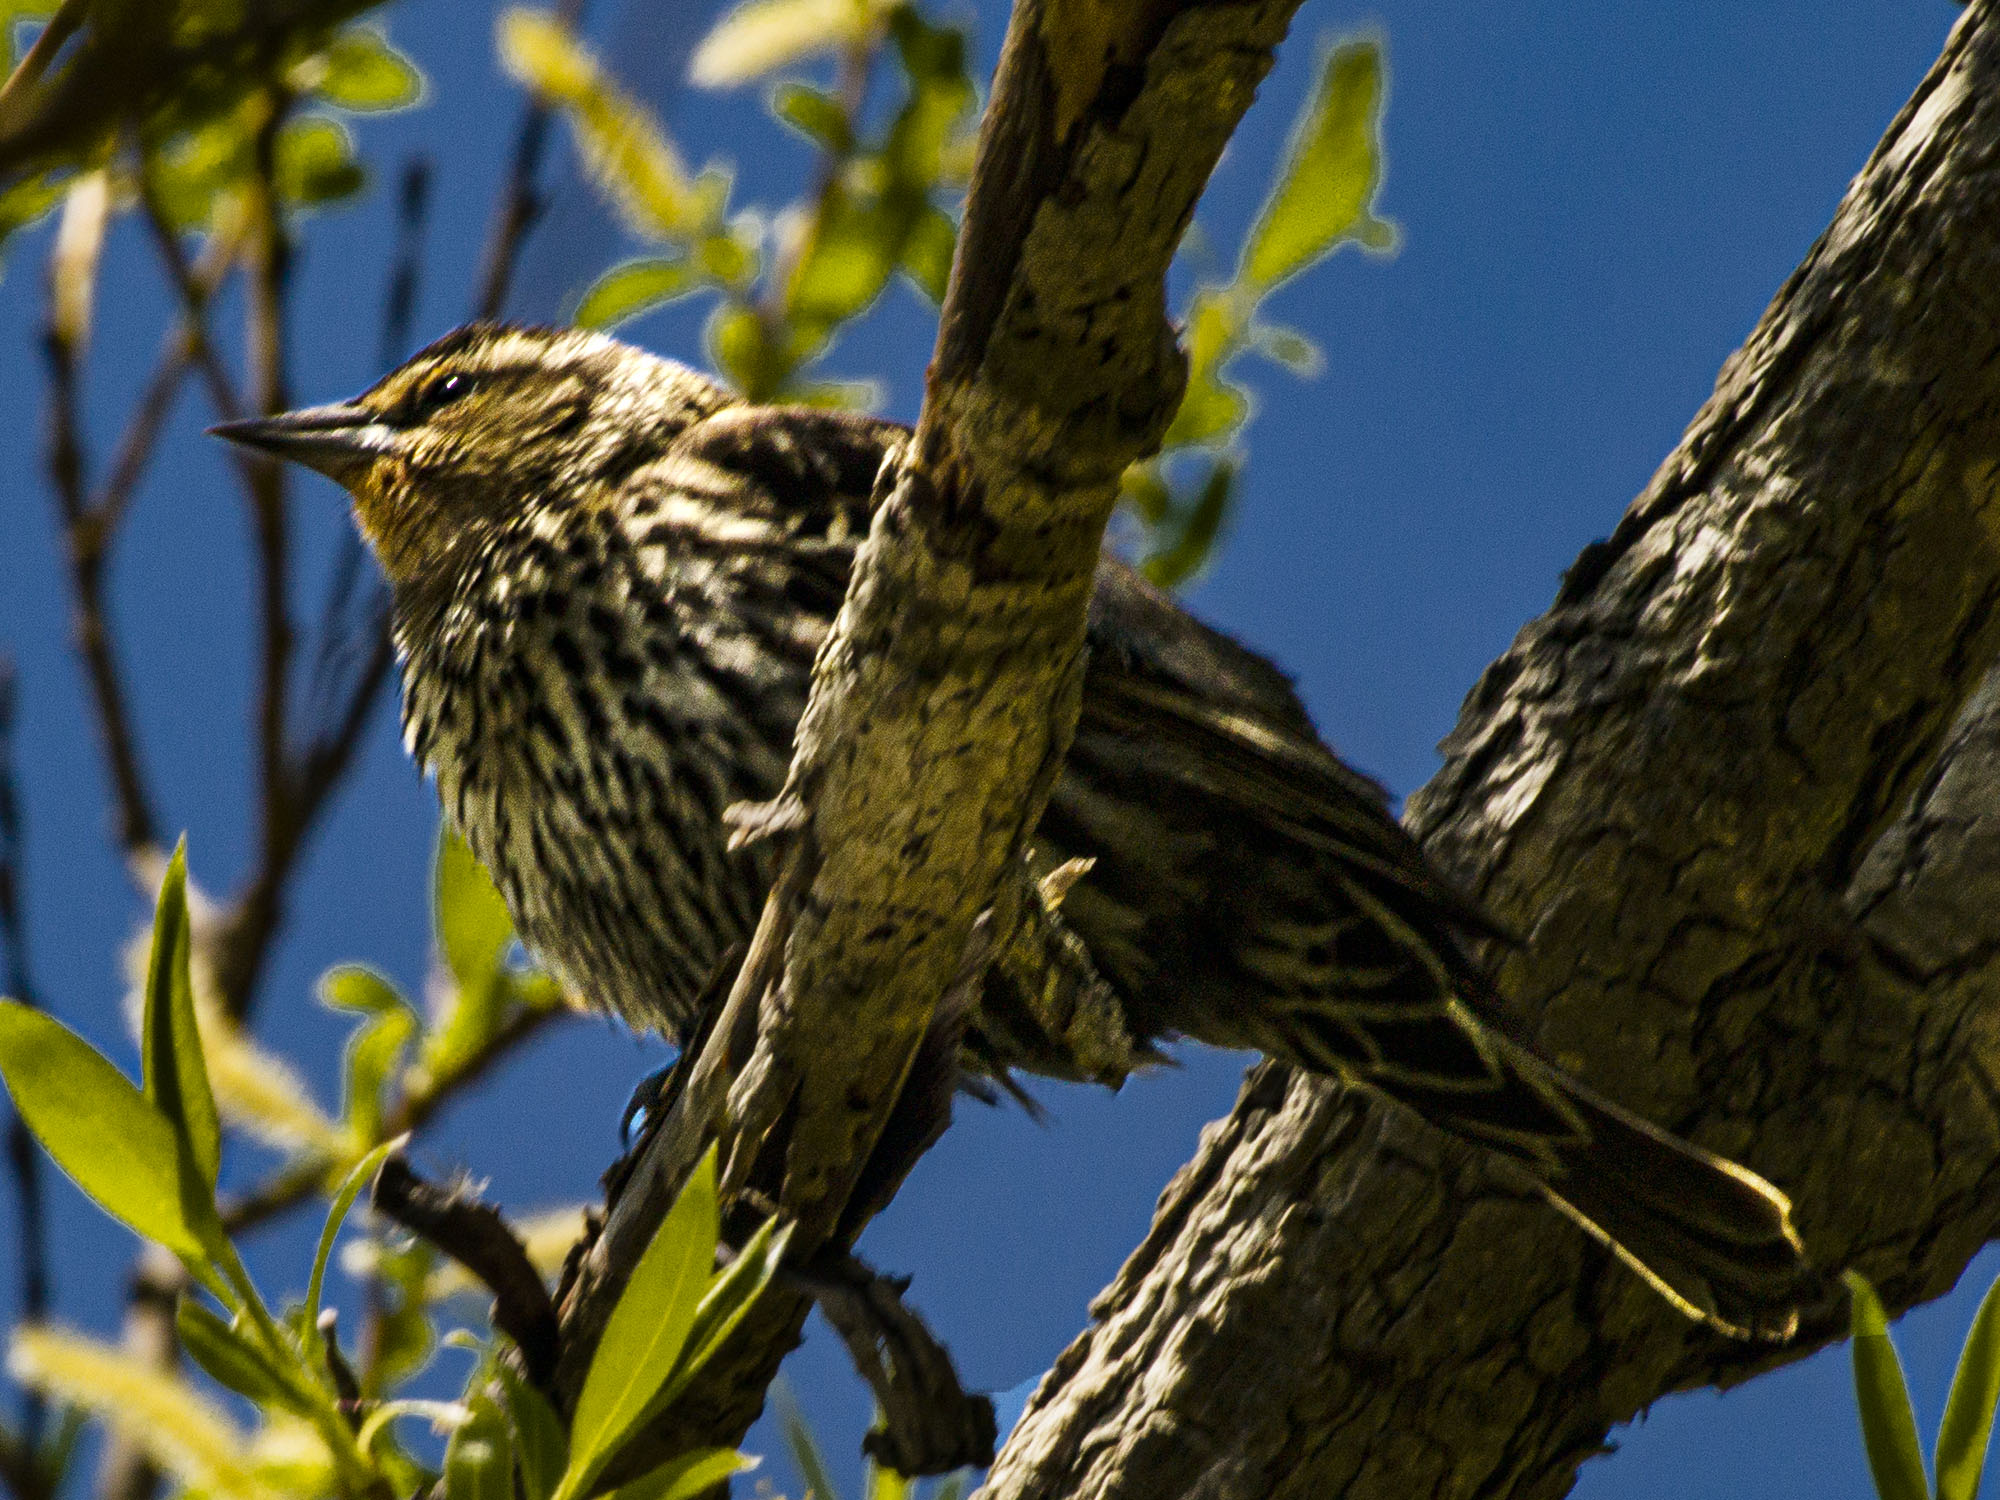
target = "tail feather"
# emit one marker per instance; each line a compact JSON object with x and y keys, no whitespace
{"x":1710,"y":1236}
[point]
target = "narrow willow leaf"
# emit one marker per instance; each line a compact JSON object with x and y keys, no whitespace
{"x":1325,"y":189}
{"x":176,"y":1074}
{"x":539,"y":1440}
{"x":99,"y":1129}
{"x":728,"y":1298}
{"x":1888,"y":1425}
{"x":362,"y":72}
{"x":363,"y":1173}
{"x":352,"y":987}
{"x":762,"y":36}
{"x":805,"y":1450}
{"x":849,"y":259}
{"x":1188,"y":552}
{"x":473,"y":928}
{"x":638,"y":286}
{"x":685,"y":1477}
{"x":647,"y":1330}
{"x":159,"y":1414}
{"x":1968,"y":1413}
{"x":374,"y":1052}
{"x":233,"y":1361}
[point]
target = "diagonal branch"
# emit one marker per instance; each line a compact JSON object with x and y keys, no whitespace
{"x":943,"y":702}
{"x":1738,"y":787}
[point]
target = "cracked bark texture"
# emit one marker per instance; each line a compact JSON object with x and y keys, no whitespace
{"x":1740,"y":788}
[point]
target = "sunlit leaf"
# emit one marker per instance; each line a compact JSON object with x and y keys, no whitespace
{"x":847,"y":262}
{"x":1968,"y":1413}
{"x":316,"y":162}
{"x":1325,"y":191}
{"x":685,"y":1477}
{"x":636,"y":287}
{"x":928,"y":250}
{"x":359,"y":1176}
{"x":362,"y":72}
{"x":156,"y":1412}
{"x":99,"y":1129}
{"x":729,"y":1298}
{"x":940,"y":95}
{"x":805,"y":1450}
{"x":1888,"y":1425}
{"x":175,"y":1073}
{"x":762,"y":36}
{"x":647,"y":1330}
{"x":473,"y":928}
{"x":815,"y":114}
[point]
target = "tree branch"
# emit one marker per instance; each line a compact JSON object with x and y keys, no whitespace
{"x":1738,"y":787}
{"x":943,"y":702}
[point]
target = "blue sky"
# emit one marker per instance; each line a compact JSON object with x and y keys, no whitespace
{"x":1596,"y":202}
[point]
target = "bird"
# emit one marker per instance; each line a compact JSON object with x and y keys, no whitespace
{"x":610,"y":575}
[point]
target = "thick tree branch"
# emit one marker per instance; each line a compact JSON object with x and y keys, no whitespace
{"x":1739,"y":789}
{"x":943,"y":702}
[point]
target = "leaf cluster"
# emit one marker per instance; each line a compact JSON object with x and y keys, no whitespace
{"x":150,"y":1156}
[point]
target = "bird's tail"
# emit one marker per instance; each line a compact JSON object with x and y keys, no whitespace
{"x":1712,"y":1237}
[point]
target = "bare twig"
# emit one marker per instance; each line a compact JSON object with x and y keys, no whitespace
{"x":23,"y":1160}
{"x":473,"y":1234}
{"x":521,"y":204}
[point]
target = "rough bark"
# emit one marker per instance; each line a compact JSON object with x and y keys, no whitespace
{"x":1740,"y":788}
{"x":944,"y":700}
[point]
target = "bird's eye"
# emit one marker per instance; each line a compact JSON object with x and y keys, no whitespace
{"x":440,"y":391}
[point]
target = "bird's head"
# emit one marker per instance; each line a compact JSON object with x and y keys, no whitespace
{"x":488,"y":422}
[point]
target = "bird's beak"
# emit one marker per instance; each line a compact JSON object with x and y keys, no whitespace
{"x":338,"y":440}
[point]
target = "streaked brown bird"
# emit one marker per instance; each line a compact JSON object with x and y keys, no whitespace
{"x":610,"y":578}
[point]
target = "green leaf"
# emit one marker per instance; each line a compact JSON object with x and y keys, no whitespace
{"x":762,"y":36}
{"x":99,"y":1129}
{"x":685,"y":1477}
{"x":374,"y":1052}
{"x":805,"y":1450}
{"x":647,"y":1330}
{"x":729,"y":1297}
{"x":1968,"y":1412}
{"x":1325,"y":190}
{"x":1288,"y":347}
{"x":815,"y":114}
{"x":352,"y":987}
{"x":479,"y":1459}
{"x":176,"y":1077}
{"x":637,"y":286}
{"x":364,"y":73}
{"x":880,"y":1483}
{"x":1182,"y":557}
{"x":1888,"y":1425}
{"x":539,"y":1440}
{"x":928,"y":250}
{"x":473,"y":928}
{"x":362,"y":1174}
{"x":316,"y":163}
{"x":231,"y":1360}
{"x":847,"y":262}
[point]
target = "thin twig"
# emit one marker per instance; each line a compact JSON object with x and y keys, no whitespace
{"x":522,"y":203}
{"x":23,"y":1160}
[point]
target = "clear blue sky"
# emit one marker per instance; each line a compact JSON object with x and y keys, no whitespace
{"x":1596,"y":203}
